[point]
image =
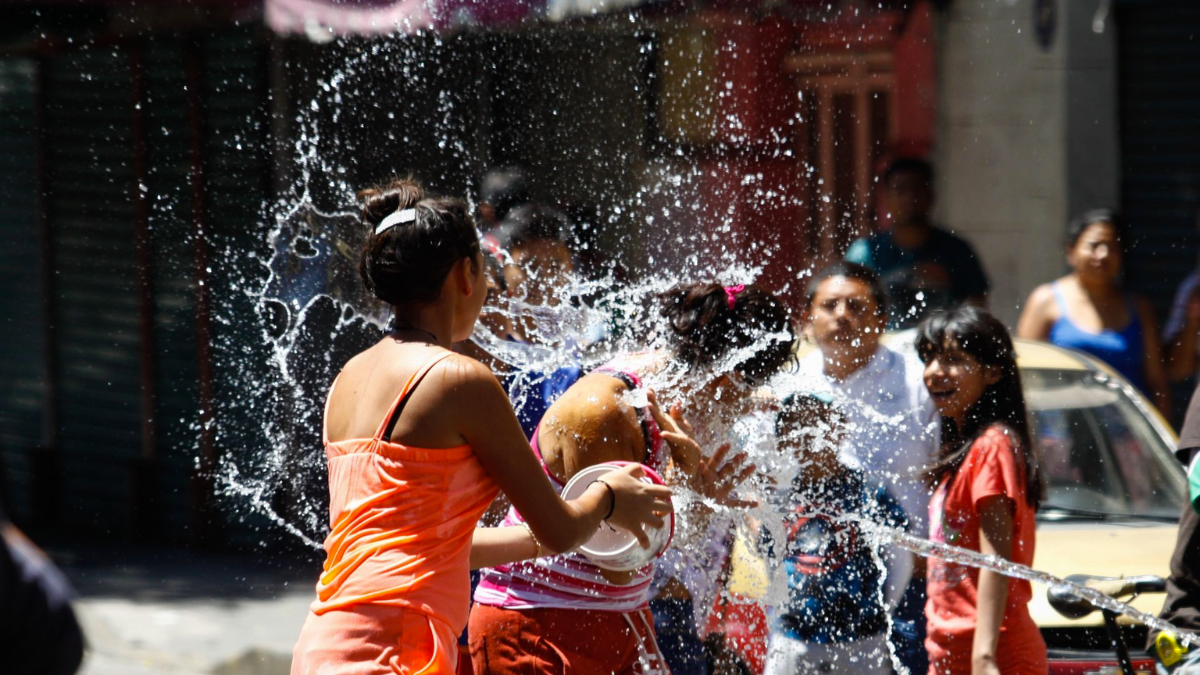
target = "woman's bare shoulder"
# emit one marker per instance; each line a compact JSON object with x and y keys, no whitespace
{"x":596,"y":398}
{"x":1042,"y":297}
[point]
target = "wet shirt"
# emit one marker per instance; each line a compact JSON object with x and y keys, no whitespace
{"x":401,"y":521}
{"x":990,"y":468}
{"x":910,"y":296}
{"x":894,"y":427}
{"x":835,"y":584}
{"x":532,"y":392}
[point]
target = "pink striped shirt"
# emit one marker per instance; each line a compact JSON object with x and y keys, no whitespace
{"x":570,"y":580}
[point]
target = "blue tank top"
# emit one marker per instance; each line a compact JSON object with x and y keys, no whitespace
{"x":1123,"y":350}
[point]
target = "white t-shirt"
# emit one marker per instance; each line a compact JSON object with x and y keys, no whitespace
{"x":895,"y":429}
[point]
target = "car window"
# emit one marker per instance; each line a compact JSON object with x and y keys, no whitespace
{"x":1100,"y":451}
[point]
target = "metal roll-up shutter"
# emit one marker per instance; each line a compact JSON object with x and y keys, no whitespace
{"x":22,"y":367}
{"x":237,"y":185}
{"x":1159,"y":81}
{"x":168,"y":150}
{"x":90,"y":161}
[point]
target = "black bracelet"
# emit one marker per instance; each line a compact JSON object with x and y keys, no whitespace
{"x":612,"y":505}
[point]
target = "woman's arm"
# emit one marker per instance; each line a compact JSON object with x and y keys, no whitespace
{"x":1038,"y":315}
{"x":996,"y":538}
{"x":491,"y":546}
{"x":487,"y":422}
{"x":1152,"y":364}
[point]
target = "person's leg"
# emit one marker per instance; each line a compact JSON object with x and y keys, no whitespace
{"x":908,"y":629}
{"x":869,"y":656}
{"x":785,"y":656}
{"x":675,"y":629}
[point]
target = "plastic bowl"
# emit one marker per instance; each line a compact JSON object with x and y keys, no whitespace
{"x":614,"y":548}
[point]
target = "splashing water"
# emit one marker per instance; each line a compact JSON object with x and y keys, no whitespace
{"x":931,"y":549}
{"x":313,"y":314}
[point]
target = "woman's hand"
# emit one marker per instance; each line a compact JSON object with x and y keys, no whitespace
{"x":637,"y":503}
{"x":714,"y":478}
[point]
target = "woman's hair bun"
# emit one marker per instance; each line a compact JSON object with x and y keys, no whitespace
{"x":381,"y":201}
{"x":708,"y":321}
{"x":407,"y":263}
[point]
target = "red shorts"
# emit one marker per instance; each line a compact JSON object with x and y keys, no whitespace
{"x":561,"y":641}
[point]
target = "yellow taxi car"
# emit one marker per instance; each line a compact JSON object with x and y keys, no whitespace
{"x":1115,"y":493}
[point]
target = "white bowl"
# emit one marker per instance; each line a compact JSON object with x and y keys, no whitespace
{"x":614,"y":548}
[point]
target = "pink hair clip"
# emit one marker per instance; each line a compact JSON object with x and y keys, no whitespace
{"x":731,"y":294}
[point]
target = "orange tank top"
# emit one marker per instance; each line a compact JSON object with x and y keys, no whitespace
{"x":401,"y":521}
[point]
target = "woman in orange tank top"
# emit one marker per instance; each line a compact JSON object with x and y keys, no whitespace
{"x":419,"y":441}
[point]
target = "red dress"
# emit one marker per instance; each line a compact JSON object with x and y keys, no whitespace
{"x":991,"y":467}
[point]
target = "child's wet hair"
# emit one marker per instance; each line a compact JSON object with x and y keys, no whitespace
{"x":705,"y":325}
{"x":803,"y":408}
{"x":533,"y":222}
{"x":985,"y":338}
{"x":407,"y":264}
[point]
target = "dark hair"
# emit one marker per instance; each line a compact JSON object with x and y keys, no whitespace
{"x":854,"y":271}
{"x":407,"y":263}
{"x":801,"y":404}
{"x":985,"y":338}
{"x":1079,"y":224}
{"x":910,"y":165}
{"x":504,"y":189}
{"x":705,"y":327}
{"x":532,"y":222}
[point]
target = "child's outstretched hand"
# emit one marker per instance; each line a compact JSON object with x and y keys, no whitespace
{"x":719,"y":478}
{"x":714,"y":478}
{"x":637,"y":503}
{"x":677,"y":434}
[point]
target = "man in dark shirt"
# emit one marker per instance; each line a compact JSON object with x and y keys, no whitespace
{"x":923,"y":267}
{"x":1182,"y":606}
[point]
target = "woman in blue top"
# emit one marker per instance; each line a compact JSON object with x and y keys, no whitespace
{"x":1088,"y":309}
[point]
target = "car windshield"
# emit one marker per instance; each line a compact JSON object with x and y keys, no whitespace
{"x":1101,"y":455}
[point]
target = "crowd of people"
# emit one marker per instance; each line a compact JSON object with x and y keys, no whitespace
{"x":422,"y":435}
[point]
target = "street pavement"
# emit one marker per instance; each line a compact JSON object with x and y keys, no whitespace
{"x":154,"y":611}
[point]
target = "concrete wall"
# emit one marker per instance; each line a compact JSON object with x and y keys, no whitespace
{"x":1026,"y":135}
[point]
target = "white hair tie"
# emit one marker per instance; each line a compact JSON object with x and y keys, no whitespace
{"x":398,"y":218}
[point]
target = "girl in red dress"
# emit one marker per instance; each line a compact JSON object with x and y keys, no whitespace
{"x":987,"y":489}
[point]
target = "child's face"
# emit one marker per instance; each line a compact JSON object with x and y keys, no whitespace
{"x":539,"y":272}
{"x":956,"y":380}
{"x":813,"y":438}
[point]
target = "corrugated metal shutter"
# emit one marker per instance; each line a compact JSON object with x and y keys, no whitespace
{"x":237,"y":185}
{"x":90,"y":153}
{"x":22,"y":372}
{"x":90,"y":157}
{"x":168,"y":147}
{"x":1159,"y":55}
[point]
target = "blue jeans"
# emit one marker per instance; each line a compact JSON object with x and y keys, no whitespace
{"x":678,"y":640}
{"x":908,"y":629}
